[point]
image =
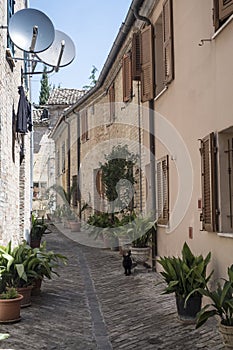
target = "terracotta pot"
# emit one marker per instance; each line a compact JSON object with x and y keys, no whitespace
{"x":140,"y":255}
{"x":35,"y":243}
{"x":10,"y":310}
{"x":26,"y":293}
{"x":36,"y":288}
{"x":227,"y":335}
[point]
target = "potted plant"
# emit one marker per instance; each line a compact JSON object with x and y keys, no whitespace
{"x":45,"y":265}
{"x":10,"y":303}
{"x":16,"y":269}
{"x":184,"y":276}
{"x":38,"y":229}
{"x":221,"y":306}
{"x":139,"y":231}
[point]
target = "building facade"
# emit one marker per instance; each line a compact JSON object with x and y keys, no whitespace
{"x":164,"y":90}
{"x":15,"y":144}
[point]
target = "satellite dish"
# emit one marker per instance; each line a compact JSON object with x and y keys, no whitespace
{"x":60,"y":53}
{"x":31,"y":30}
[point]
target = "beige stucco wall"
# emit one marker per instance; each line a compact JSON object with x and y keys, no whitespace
{"x":197,"y":102}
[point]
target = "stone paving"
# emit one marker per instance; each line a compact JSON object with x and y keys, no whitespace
{"x":93,"y":305}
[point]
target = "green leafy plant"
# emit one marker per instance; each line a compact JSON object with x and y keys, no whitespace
{"x":184,"y":276}
{"x":38,"y":228}
{"x":138,"y":229}
{"x":221,"y":302}
{"x":10,"y":293}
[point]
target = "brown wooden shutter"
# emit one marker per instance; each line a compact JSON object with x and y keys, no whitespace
{"x":127,"y":77}
{"x":147,"y":64}
{"x":168,"y":42}
{"x":209,"y":183}
{"x":225,"y":8}
{"x":163,"y":191}
{"x":136,"y":56}
{"x":111,"y":93}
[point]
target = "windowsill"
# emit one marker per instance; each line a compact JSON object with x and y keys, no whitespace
{"x":222,"y":27}
{"x":161,"y":93}
{"x":226,"y":235}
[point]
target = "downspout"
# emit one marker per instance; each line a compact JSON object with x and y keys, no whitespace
{"x":152,"y":156}
{"x":78,"y":162}
{"x":68,"y":156}
{"x":140,"y":148}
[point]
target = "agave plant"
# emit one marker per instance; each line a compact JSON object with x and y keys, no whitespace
{"x":222,"y":302}
{"x":184,"y":276}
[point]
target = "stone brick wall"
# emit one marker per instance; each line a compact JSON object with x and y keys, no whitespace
{"x":14,"y":179}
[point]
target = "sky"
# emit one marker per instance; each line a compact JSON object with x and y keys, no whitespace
{"x":93,"y":26}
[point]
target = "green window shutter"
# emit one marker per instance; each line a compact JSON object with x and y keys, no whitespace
{"x":127,"y":77}
{"x":147,"y":64}
{"x":168,"y":55}
{"x":136,"y":56}
{"x":209,"y":183}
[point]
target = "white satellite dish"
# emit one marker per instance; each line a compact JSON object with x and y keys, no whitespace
{"x":60,"y":53}
{"x":31,"y":30}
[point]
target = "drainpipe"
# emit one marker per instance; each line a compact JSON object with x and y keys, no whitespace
{"x":78,"y":162}
{"x":68,"y":156}
{"x":140,"y":148}
{"x":152,"y":156}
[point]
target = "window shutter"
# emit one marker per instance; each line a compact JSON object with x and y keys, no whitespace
{"x":136,"y":57}
{"x":209,"y":183}
{"x":225,"y":8}
{"x":112,"y":102}
{"x":127,"y":77}
{"x":147,"y":64}
{"x":163,"y":191}
{"x":168,"y":42}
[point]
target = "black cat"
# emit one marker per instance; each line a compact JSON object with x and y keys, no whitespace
{"x":127,"y":263}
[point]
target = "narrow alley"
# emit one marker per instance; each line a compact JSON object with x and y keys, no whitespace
{"x":93,"y":305}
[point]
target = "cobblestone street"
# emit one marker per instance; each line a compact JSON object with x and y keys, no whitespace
{"x":93,"y":305}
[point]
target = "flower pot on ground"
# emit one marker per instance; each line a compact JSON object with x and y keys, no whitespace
{"x":10,"y":304}
{"x":139,"y":230}
{"x":221,"y":306}
{"x":38,"y":229}
{"x":26,"y":293}
{"x":75,"y":226}
{"x":184,"y":277}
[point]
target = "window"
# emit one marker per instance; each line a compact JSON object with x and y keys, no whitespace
{"x":58,"y":163}
{"x":127,"y":77}
{"x":10,"y":12}
{"x":111,"y":94}
{"x":98,"y":190}
{"x":217,"y":181}
{"x":136,"y":56}
{"x":163,"y":191}
{"x":84,"y":125}
{"x":223,"y":9}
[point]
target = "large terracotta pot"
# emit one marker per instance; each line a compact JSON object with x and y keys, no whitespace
{"x":227,"y":335}
{"x":193,"y":306}
{"x":10,"y":310}
{"x":26,"y":293}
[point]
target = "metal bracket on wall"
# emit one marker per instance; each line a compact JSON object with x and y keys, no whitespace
{"x":202,"y":42}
